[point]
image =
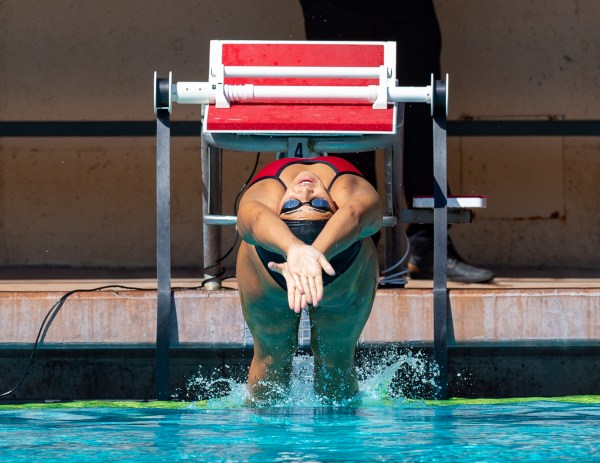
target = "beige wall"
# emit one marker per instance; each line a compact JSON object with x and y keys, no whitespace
{"x":535,"y":59}
{"x":90,"y":201}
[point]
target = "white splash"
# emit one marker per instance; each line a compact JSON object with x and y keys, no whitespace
{"x":386,"y":378}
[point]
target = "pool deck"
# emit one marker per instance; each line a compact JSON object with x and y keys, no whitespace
{"x":538,"y":327}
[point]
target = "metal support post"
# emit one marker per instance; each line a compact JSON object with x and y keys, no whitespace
{"x":163,"y":254}
{"x":394,"y":191}
{"x":211,"y":204}
{"x":440,"y":242}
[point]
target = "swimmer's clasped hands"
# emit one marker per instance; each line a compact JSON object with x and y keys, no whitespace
{"x":303,"y":272}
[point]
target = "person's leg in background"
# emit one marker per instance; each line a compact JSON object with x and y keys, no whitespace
{"x":418,"y":41}
{"x":413,"y":25}
{"x":342,"y":20}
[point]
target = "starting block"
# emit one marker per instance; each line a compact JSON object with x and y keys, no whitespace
{"x":301,"y":87}
{"x":303,"y":99}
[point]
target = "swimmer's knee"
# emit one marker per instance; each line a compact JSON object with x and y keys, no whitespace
{"x":269,"y":379}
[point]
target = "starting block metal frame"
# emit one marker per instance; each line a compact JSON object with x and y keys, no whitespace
{"x":300,"y":99}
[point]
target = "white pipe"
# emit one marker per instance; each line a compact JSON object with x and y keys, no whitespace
{"x":291,"y":92}
{"x":220,"y":219}
{"x":409,"y":94}
{"x":204,"y":93}
{"x":193,"y":93}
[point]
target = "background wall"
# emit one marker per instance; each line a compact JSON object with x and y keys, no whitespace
{"x":533,"y":60}
{"x":89,"y":202}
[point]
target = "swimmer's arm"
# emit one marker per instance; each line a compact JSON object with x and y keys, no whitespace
{"x":359,"y":215}
{"x":259,"y":224}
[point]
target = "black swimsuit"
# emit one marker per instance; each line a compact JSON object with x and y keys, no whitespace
{"x":308,"y":230}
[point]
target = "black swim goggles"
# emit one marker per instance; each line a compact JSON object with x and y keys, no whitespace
{"x":320,"y":204}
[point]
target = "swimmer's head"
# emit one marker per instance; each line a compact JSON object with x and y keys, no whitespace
{"x":306,"y":198}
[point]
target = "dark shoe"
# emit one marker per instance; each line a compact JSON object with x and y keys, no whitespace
{"x":420,"y":265}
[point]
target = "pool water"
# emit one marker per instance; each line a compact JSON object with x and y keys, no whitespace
{"x":532,"y":430}
{"x":381,"y":425}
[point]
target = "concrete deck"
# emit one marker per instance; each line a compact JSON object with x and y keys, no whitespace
{"x":528,"y":307}
{"x":539,"y":314}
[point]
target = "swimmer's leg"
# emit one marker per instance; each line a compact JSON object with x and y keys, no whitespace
{"x":275,"y":334}
{"x":336,"y":326}
{"x":334,"y":336}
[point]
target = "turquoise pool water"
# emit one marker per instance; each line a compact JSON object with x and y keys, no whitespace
{"x":380,"y":426}
{"x":534,"y":430}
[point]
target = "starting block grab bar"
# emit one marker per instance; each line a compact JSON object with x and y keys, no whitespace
{"x":374,"y":62}
{"x":205,"y":93}
{"x":221,"y":94}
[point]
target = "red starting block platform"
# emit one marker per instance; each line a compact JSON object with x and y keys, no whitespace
{"x":310,"y":115}
{"x":287,"y":87}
